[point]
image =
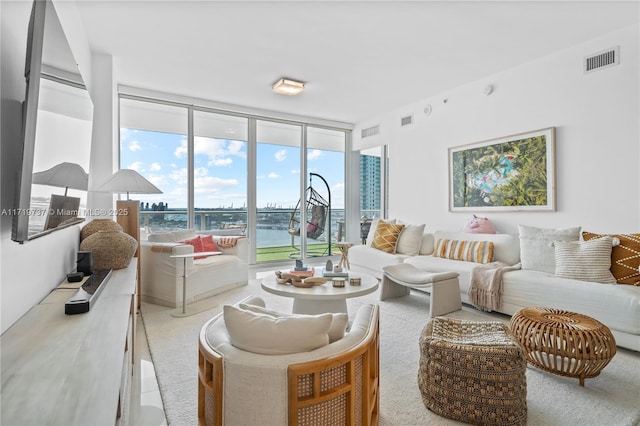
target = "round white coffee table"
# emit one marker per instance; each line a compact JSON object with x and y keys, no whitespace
{"x":322,"y":298}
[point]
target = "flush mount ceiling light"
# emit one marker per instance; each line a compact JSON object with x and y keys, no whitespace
{"x":288,"y":87}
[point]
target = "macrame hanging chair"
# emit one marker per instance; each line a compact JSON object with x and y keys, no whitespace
{"x":318,"y":213}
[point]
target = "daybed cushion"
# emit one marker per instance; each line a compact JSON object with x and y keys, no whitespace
{"x":536,"y":251}
{"x":617,"y":309}
{"x":267,"y":335}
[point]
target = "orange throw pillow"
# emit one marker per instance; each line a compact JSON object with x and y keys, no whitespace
{"x":196,"y":242}
{"x":386,"y":236}
{"x":208,"y":244}
{"x":625,"y":258}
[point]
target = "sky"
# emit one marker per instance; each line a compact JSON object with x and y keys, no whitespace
{"x":220,"y":170}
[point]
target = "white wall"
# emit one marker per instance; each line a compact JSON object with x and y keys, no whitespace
{"x":29,"y":271}
{"x":596,"y":117}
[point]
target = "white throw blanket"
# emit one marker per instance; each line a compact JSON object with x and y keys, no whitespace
{"x":485,"y":288}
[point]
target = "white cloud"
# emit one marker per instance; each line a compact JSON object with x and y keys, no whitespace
{"x":338,"y":187}
{"x":295,"y":171}
{"x":137,"y":166}
{"x":219,"y":152}
{"x":281,"y":155}
{"x":155,"y":167}
{"x":211,"y":184}
{"x":314,"y":154}
{"x":221,"y":162}
{"x":273,"y":175}
{"x":134,"y":146}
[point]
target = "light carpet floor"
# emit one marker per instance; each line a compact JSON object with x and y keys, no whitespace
{"x":612,"y":398}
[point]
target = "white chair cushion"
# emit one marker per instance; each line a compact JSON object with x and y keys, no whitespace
{"x":264,"y":334}
{"x":337,"y":329}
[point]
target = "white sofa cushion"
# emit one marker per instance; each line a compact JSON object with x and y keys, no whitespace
{"x":410,"y":239}
{"x":338,"y":327}
{"x":264,"y":334}
{"x":171,"y":236}
{"x":536,"y":251}
{"x":585,"y":260}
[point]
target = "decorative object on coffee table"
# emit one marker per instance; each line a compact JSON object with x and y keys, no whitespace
{"x":473,"y":372}
{"x":111,"y":249}
{"x":563,"y":342}
{"x":98,"y":225}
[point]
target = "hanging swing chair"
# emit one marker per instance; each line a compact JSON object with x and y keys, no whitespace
{"x":318,"y":214}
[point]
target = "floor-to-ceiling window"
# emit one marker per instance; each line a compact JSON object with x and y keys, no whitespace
{"x":219,"y":170}
{"x":153,"y":137}
{"x":277,"y":188}
{"x":223,"y":170}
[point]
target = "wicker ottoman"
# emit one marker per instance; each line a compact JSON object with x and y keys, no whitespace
{"x":563,"y":342}
{"x":473,"y":372}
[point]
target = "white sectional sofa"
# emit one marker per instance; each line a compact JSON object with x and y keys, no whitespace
{"x":161,"y":275}
{"x":615,"y":305}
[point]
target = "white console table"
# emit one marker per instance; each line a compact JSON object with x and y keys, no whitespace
{"x":62,"y":369}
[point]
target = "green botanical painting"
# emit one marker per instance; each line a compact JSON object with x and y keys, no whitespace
{"x":513,"y":173}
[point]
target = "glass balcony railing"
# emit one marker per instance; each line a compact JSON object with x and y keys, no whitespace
{"x":273,"y":240}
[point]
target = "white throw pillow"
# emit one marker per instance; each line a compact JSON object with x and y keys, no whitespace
{"x":585,"y":260}
{"x":264,"y":334}
{"x":339,"y":321}
{"x":410,"y":240}
{"x":536,"y":251}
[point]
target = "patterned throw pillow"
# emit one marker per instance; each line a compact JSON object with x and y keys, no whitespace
{"x":386,"y":236}
{"x":625,"y":258}
{"x":469,"y":251}
{"x":585,"y":260}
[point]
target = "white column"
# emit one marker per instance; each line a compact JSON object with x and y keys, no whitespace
{"x":105,"y":137}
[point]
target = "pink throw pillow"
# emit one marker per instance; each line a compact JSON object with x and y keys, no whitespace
{"x":208,"y":244}
{"x":196,"y":242}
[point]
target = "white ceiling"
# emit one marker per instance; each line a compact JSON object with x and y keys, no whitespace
{"x":358,"y":58}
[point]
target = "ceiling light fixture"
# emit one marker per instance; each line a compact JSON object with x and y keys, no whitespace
{"x":288,"y":87}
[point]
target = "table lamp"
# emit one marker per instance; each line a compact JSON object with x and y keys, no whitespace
{"x":128,"y":211}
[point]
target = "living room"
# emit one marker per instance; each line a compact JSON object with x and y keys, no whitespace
{"x":595,"y":116}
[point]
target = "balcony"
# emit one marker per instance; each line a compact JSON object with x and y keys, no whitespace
{"x":273,"y":241}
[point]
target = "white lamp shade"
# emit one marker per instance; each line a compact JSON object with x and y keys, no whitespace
{"x":63,"y":175}
{"x":129,"y":181}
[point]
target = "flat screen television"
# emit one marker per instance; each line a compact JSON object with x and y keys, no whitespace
{"x":55,"y":97}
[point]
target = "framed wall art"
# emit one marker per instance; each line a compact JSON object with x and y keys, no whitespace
{"x":506,"y":174}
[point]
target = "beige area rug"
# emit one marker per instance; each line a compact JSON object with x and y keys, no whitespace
{"x":612,"y":398}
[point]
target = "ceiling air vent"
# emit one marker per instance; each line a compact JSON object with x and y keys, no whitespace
{"x":370,"y":131}
{"x":608,"y":58}
{"x":405,"y":121}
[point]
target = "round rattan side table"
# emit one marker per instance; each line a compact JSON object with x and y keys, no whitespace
{"x":563,"y":342}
